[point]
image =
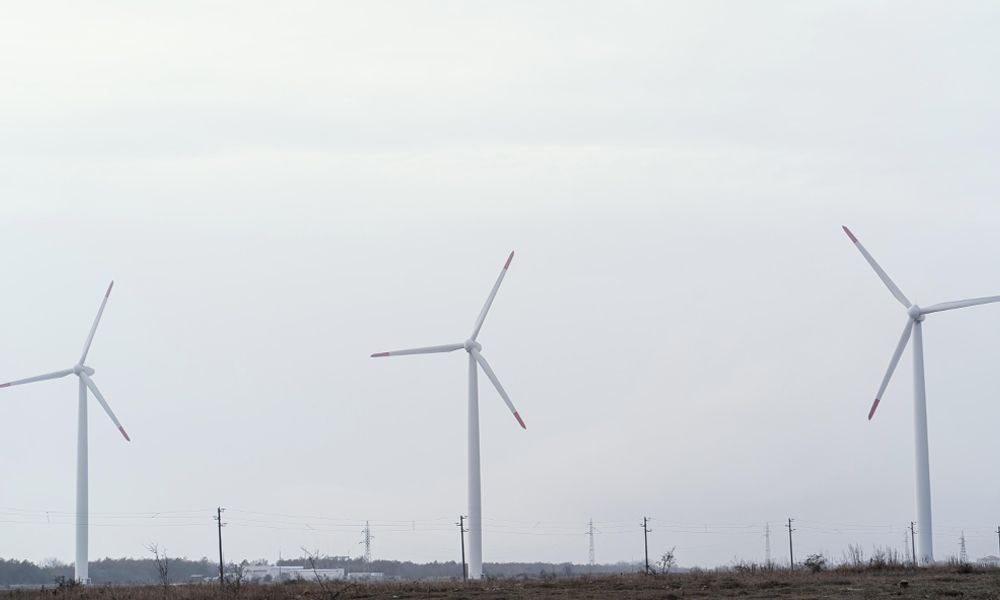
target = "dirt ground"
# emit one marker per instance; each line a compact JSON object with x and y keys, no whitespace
{"x":937,"y":583}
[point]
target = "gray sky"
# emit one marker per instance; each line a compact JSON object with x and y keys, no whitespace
{"x":686,"y":330}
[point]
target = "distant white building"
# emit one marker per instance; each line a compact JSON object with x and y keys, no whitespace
{"x":325,"y":574}
{"x":279,"y":573}
{"x":365,"y":576}
{"x":269,"y":573}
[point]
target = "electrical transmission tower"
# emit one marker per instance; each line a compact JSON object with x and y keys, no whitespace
{"x":963,"y":556}
{"x":767,"y":543}
{"x":906,"y":544}
{"x":590,"y":533}
{"x":366,"y":541}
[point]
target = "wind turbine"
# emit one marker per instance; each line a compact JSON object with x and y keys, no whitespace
{"x":474,"y":349}
{"x":914,"y":326}
{"x":83,"y":373}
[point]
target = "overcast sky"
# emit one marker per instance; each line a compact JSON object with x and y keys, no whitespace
{"x":280,"y":191}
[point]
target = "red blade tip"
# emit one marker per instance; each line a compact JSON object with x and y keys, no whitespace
{"x":3,"y":385}
{"x":122,"y":429}
{"x":871,"y":413}
{"x":509,"y":258}
{"x":519,"y":420}
{"x":849,"y":234}
{"x":378,"y":354}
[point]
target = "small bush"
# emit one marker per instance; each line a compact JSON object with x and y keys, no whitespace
{"x":67,"y":583}
{"x":746,"y":567}
{"x":963,"y":568}
{"x":815,"y":562}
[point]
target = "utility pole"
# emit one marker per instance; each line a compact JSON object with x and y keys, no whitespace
{"x":645,"y":539}
{"x":767,"y":544}
{"x":913,"y":542}
{"x":963,"y":556}
{"x":366,"y":541}
{"x":590,"y":533}
{"x":998,"y":537}
{"x":462,"y":530}
{"x":791,"y":556}
{"x":218,"y":519}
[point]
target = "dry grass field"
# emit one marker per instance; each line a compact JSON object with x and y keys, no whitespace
{"x":931,"y":583}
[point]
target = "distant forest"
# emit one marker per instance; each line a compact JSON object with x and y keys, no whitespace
{"x":180,"y":570}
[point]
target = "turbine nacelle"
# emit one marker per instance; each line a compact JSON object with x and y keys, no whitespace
{"x":83,"y":369}
{"x":915,"y":312}
{"x":471,"y":345}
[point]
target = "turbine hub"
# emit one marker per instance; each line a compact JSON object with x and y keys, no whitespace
{"x":471,"y":345}
{"x":915,"y":314}
{"x":82,"y":369}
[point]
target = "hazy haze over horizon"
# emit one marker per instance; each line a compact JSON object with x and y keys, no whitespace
{"x":685,"y":328}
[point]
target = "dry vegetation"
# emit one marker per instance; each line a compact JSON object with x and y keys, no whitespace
{"x":840,"y":583}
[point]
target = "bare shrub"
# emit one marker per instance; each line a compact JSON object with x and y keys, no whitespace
{"x":235,"y":579}
{"x":331,"y":593}
{"x":746,"y":567}
{"x":854,"y":557}
{"x":162,"y":564}
{"x":961,"y":567}
{"x":885,"y":558}
{"x":668,"y":561}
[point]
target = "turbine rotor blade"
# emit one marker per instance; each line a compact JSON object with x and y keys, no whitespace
{"x":878,"y":270}
{"x":496,"y":383}
{"x":104,"y":403}
{"x":54,"y":375}
{"x":959,"y":304}
{"x":489,"y":300}
{"x":425,"y":350}
{"x":93,"y":328}
{"x":903,"y":340}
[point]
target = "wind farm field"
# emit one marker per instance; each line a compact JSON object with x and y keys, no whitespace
{"x":691,"y":230}
{"x":903,"y":583}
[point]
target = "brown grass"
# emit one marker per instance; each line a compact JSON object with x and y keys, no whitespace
{"x":924,"y":583}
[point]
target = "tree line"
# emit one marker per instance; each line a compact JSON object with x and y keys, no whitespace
{"x":120,"y":571}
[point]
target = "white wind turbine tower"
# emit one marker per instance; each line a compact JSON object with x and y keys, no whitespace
{"x":473,"y":348}
{"x":83,"y":372}
{"x":914,"y":325}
